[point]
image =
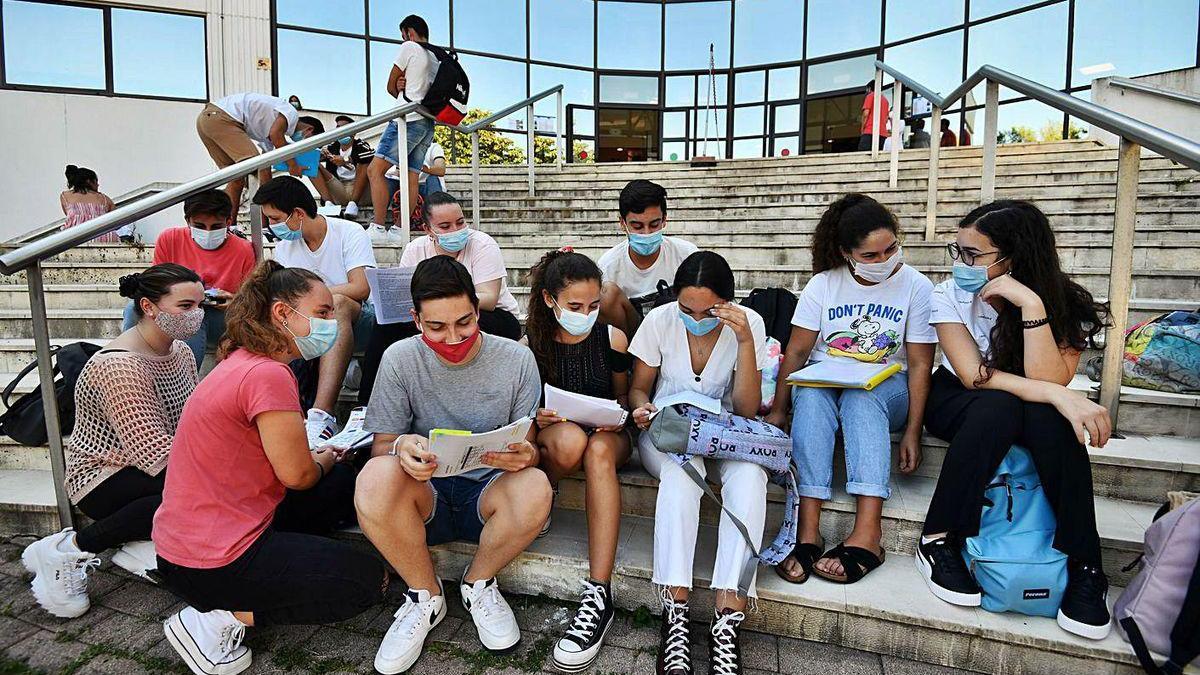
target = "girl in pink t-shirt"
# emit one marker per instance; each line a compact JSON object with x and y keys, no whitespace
{"x":244,"y":493}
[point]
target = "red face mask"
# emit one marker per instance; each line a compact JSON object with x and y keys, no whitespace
{"x":453,"y":352}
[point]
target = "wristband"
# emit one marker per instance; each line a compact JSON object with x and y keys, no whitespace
{"x":1036,"y":323}
{"x":321,"y":468}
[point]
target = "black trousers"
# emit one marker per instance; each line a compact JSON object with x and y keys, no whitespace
{"x":123,"y":509}
{"x":289,"y":575}
{"x":497,"y":322}
{"x":864,"y":142}
{"x":981,"y":426}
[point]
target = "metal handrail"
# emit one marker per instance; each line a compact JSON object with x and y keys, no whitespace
{"x":479,"y":125}
{"x":1162,"y":92}
{"x":126,"y":198}
{"x":925,"y":92}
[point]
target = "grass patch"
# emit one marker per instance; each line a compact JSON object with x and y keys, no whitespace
{"x":154,"y":664}
{"x":643,"y":618}
{"x":295,"y":657}
{"x":483,"y":661}
{"x":14,"y":667}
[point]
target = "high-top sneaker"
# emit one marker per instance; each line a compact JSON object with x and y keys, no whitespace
{"x":674,"y":642}
{"x":210,"y":643}
{"x":584,"y":639}
{"x":941,"y":565}
{"x":60,"y":572}
{"x":724,"y":646}
{"x":1084,"y":609}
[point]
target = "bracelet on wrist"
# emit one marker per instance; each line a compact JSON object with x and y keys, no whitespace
{"x":321,"y":468}
{"x":1035,"y":323}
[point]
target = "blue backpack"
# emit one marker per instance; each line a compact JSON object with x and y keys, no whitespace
{"x":1013,"y":557}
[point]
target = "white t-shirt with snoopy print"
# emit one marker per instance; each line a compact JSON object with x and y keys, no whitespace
{"x":867,"y":323}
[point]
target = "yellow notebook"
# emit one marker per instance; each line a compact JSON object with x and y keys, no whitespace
{"x":843,"y":374}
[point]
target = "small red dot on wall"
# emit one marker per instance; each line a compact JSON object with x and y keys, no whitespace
{"x":583,"y":154}
{"x":785,"y":152}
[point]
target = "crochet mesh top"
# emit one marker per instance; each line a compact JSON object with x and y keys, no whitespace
{"x":127,"y":406}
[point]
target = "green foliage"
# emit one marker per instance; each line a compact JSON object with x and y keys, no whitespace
{"x":1051,"y":130}
{"x":497,"y":148}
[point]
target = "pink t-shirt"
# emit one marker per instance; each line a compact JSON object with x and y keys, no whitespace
{"x":885,"y":111}
{"x":482,"y":258}
{"x":225,"y":267}
{"x":221,"y":492}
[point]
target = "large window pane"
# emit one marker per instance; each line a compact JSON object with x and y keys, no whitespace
{"x":674,"y":151}
{"x":768,"y":31}
{"x":1114,"y":37}
{"x":561,"y":31}
{"x":628,"y":89}
{"x":1008,"y":43}
{"x":787,"y":119}
{"x":836,"y":26}
{"x":305,"y":69}
{"x":786,"y":146}
{"x":495,"y":84}
{"x":705,"y":93}
{"x":852,"y":73}
{"x":691,"y":27}
{"x":345,"y":16}
{"x":386,"y":16}
{"x":748,"y":121}
{"x":577,"y":87}
{"x":985,"y":8}
{"x":492,"y":26}
{"x":935,"y":62}
{"x":159,"y":54}
{"x":629,"y":35}
{"x":784,"y":84}
{"x":53,"y":45}
{"x":681,"y":90}
{"x":716,"y":127}
{"x":906,"y":19}
{"x":675,"y":124}
{"x":749,"y":87}
{"x":748,"y":147}
{"x":584,"y":121}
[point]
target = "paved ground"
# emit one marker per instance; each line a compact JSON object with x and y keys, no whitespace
{"x":121,"y":634}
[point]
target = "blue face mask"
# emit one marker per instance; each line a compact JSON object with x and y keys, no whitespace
{"x":455,"y":241}
{"x":971,"y":278}
{"x":576,"y":323}
{"x":701,"y":327}
{"x":645,"y":244}
{"x":322,"y":333}
{"x":345,"y":140}
{"x":285,"y":233}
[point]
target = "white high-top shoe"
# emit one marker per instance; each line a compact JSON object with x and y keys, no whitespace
{"x":210,"y":643}
{"x":137,"y":557}
{"x":60,"y":572}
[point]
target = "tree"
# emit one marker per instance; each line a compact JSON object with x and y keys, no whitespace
{"x":1017,"y":134}
{"x":496,"y":147}
{"x":1050,"y":131}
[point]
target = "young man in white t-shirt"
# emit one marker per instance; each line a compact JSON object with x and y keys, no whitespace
{"x":411,"y":75}
{"x":338,"y":251}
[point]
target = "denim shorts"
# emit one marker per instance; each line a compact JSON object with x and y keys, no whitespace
{"x":420,"y":136}
{"x":456,"y":514}
{"x":364,"y":326}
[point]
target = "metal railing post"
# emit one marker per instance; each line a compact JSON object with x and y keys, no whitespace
{"x":895,"y":135}
{"x":931,"y":197}
{"x":529,"y":138}
{"x":402,"y":162}
{"x":875,"y":113}
{"x":560,"y":147}
{"x":991,"y":111}
{"x":255,"y":214}
{"x":1120,"y":280}
{"x":475,"y":216}
{"x":41,"y":343}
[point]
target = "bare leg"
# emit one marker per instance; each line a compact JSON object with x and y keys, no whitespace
{"x":379,"y":188}
{"x":332,"y":369}
{"x":731,"y":600}
{"x":392,"y":507}
{"x":234,"y":189}
{"x":808,"y":532}
{"x":867,"y":532}
{"x":319,"y":183}
{"x":616,"y":310}
{"x":247,"y":618}
{"x":361,"y":182}
{"x":414,"y":189}
{"x":606,"y":452}
{"x":562,"y":449}
{"x":514,"y":508}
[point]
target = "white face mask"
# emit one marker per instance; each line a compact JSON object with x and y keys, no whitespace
{"x":209,"y":239}
{"x":880,"y":271}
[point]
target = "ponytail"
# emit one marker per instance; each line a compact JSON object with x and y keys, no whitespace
{"x":554,"y":272}
{"x":844,"y":226}
{"x":248,"y":323}
{"x":154,"y":283}
{"x":81,"y":179}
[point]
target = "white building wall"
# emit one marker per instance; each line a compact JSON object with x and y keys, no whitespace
{"x":1175,"y":116}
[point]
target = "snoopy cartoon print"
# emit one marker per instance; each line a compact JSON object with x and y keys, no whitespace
{"x":865,"y":341}
{"x":866,"y":330}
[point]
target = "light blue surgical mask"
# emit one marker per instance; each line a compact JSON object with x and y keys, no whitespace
{"x":645,"y":244}
{"x":576,"y":323}
{"x":285,"y":233}
{"x":346,"y":140}
{"x":455,"y":241}
{"x":701,"y":327}
{"x":322,"y":333}
{"x":971,"y":278}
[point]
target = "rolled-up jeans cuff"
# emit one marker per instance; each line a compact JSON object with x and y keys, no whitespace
{"x":868,"y":490}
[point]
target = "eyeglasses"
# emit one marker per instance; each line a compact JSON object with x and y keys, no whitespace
{"x":957,"y":253}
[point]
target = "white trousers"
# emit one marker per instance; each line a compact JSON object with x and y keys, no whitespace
{"x":677,"y":517}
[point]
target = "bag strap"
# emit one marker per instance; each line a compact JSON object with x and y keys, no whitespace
{"x":1139,"y":646}
{"x":12,"y":386}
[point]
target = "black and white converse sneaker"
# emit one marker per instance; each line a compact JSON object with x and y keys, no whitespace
{"x":724,"y":648}
{"x":584,"y":639}
{"x":1084,"y":609}
{"x":674,"y":642}
{"x":941,"y":564}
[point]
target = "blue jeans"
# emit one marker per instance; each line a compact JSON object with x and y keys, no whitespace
{"x":430,"y":185}
{"x":420,"y":136}
{"x":866,"y":418}
{"x":211,"y":330}
{"x":456,"y":515}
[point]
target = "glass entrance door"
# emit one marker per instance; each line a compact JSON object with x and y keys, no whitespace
{"x":627,"y":134}
{"x":832,"y":123}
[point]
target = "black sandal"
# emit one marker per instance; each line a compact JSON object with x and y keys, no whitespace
{"x":805,"y":554}
{"x":857,"y":563}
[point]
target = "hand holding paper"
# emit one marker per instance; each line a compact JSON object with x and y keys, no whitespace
{"x":586,"y":410}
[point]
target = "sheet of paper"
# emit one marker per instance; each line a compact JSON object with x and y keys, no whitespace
{"x":461,"y":453}
{"x":838,"y":372}
{"x":689,"y":397}
{"x":391,"y":293}
{"x":586,"y":410}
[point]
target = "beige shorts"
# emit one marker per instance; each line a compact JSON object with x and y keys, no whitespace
{"x":224,"y":137}
{"x":343,"y":190}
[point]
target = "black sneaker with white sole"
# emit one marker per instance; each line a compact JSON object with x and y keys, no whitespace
{"x":941,"y":564}
{"x":674,"y":641}
{"x":581,"y":645}
{"x":1084,"y":609}
{"x":724,"y":647}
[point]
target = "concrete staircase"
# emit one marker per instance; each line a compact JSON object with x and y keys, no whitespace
{"x":760,"y":215}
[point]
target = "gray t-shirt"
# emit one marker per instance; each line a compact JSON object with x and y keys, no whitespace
{"x":415,"y":392}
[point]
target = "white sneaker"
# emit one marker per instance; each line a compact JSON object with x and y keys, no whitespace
{"x":60,"y":572}
{"x":378,"y":234}
{"x":210,"y":643}
{"x":494,"y":619}
{"x":351,"y":210}
{"x":320,"y":426}
{"x":330,"y":209}
{"x":405,"y":639}
{"x":395,"y":237}
{"x":137,"y":557}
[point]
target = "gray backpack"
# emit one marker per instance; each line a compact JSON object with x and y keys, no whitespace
{"x":1160,"y":609}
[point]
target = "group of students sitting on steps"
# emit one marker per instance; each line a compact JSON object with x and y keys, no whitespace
{"x":216,"y":489}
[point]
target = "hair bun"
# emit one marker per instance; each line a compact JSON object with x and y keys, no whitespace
{"x":130,"y":284}
{"x":71,"y":170}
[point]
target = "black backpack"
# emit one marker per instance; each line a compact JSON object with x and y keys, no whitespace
{"x":775,"y":306}
{"x":662,"y":295}
{"x":447,"y":95}
{"x":25,"y":420}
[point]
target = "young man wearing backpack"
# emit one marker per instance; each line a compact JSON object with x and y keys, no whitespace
{"x":412,"y":73}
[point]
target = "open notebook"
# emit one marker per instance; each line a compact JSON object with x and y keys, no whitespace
{"x":843,"y":373}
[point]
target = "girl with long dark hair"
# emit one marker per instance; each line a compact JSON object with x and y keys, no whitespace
{"x":863,"y":305}
{"x":577,"y":354}
{"x":83,"y":201}
{"x":1012,"y":326}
